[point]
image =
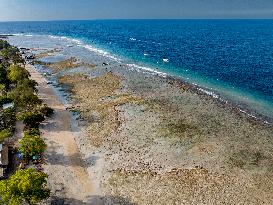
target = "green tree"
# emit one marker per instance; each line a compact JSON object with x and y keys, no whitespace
{"x":32,"y":131}
{"x":2,"y":90}
{"x":25,"y":186}
{"x":31,"y":145}
{"x":24,"y":97}
{"x":12,"y":54}
{"x":4,"y":44}
{"x":32,"y":119}
{"x":3,"y":76}
{"x":4,"y":99}
{"x":27,"y":83}
{"x":9,"y":118}
{"x":46,"y":111}
{"x":5,"y":134}
{"x":17,"y":73}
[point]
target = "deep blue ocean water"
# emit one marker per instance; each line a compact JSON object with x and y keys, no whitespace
{"x":232,"y":57}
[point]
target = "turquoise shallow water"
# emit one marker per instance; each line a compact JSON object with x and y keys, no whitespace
{"x":233,"y":58}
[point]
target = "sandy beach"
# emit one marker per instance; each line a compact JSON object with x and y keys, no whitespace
{"x":68,"y":177}
{"x":144,"y":139}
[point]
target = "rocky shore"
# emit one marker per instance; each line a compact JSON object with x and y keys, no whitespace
{"x":156,"y":143}
{"x":146,"y":131}
{"x":146,"y":139}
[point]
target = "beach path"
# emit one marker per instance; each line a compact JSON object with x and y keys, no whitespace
{"x":68,"y":178}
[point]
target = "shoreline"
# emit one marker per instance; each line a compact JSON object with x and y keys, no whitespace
{"x":131,"y":171}
{"x":63,"y":158}
{"x":251,"y":114}
{"x":145,"y":133}
{"x":245,"y":112}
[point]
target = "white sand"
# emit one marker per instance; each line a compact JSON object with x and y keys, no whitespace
{"x":68,"y":177}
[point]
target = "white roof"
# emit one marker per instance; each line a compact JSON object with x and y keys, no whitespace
{"x":8,"y":105}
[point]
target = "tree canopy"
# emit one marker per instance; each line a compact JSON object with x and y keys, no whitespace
{"x":3,"y":75}
{"x":17,"y":73}
{"x":4,"y":44}
{"x":25,"y":186}
{"x":24,"y":97}
{"x":31,"y":145}
{"x":4,"y":134}
{"x":32,"y":119}
{"x":12,"y":54}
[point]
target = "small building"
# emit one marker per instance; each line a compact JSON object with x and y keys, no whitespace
{"x":8,"y":105}
{"x":4,"y":159}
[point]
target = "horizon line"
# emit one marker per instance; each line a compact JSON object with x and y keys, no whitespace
{"x":108,"y":19}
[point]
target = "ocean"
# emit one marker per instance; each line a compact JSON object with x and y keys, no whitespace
{"x":229,"y":59}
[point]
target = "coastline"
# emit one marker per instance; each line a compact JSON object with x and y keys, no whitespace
{"x":63,"y":159}
{"x":244,"y":112}
{"x":130,"y":159}
{"x":143,"y":133}
{"x":242,"y":109}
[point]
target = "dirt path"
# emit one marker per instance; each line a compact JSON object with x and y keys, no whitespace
{"x":68,"y":178}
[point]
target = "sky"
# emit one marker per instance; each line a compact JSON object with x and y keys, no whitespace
{"x":28,"y":10}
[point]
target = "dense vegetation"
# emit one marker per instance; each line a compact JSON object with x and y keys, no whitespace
{"x":32,"y":145}
{"x":26,"y":185}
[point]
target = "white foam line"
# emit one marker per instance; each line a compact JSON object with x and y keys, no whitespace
{"x":102,"y":53}
{"x":18,"y":34}
{"x":218,"y":97}
{"x":142,"y":68}
{"x":253,"y":116}
{"x":208,"y":93}
{"x":88,"y":47}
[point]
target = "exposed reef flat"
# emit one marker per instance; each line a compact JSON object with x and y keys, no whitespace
{"x":154,"y":140}
{"x":158,"y":143}
{"x":64,"y":64}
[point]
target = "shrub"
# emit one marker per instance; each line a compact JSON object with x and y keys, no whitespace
{"x":46,"y":111}
{"x":4,"y":44}
{"x":25,"y":186}
{"x":5,"y":134}
{"x":3,"y":76}
{"x":32,"y":131}
{"x":31,"y":119}
{"x":4,"y":100}
{"x":24,"y":98}
{"x":2,"y":89}
{"x":9,"y":117}
{"x":31,"y":145}
{"x":27,"y":83}
{"x":12,"y":54}
{"x":17,"y":73}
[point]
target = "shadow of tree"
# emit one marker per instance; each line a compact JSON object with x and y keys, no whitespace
{"x":93,"y":200}
{"x":54,"y":124}
{"x":54,"y":158}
